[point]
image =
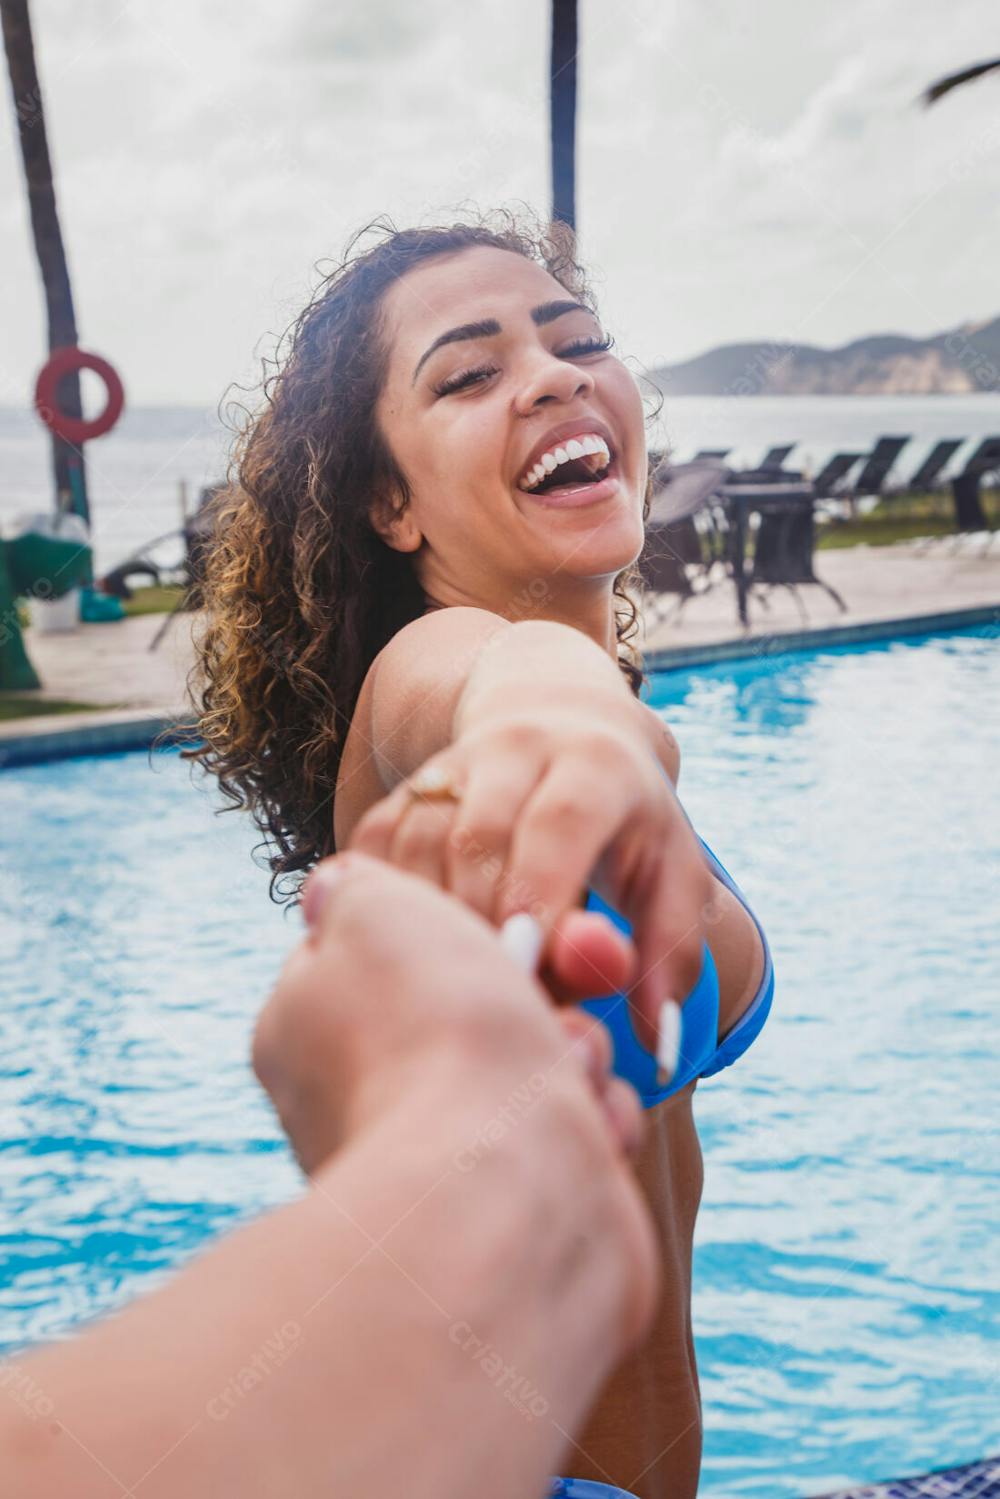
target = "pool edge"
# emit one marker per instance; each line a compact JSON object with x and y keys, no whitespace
{"x":779,"y":643}
{"x":35,"y":740}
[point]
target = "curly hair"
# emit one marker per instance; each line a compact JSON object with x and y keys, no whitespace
{"x":300,"y":591}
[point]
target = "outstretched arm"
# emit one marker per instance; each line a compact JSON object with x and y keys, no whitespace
{"x":355,"y":1339}
{"x":553,"y":760}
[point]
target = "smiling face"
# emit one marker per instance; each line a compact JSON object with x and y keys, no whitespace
{"x":493,"y":368}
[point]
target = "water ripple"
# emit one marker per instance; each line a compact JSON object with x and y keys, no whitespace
{"x":847,"y":1284}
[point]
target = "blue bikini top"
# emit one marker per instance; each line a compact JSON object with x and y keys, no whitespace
{"x":701,"y":1052}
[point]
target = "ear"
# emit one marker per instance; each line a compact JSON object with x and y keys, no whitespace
{"x":396,"y":525}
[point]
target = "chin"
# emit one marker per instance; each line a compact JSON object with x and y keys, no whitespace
{"x":612,"y":547}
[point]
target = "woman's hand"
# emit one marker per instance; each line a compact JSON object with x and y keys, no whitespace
{"x":541,"y":801}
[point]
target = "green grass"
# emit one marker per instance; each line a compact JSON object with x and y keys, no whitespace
{"x":903,"y":518}
{"x":153,"y":600}
{"x":23,"y":705}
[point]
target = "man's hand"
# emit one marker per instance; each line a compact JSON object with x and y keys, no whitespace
{"x":481,"y":1200}
{"x":396,"y":983}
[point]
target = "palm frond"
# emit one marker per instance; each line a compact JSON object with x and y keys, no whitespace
{"x":955,"y":80}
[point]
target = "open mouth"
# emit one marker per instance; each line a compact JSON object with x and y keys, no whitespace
{"x":570,"y":466}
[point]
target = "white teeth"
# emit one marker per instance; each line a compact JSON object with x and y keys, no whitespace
{"x":583,"y":447}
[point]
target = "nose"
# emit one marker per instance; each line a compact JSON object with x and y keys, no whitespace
{"x":549,"y":378}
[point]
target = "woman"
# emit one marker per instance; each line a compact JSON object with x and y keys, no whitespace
{"x":419,"y":645}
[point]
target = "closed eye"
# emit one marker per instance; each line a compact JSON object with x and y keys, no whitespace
{"x":578,"y":347}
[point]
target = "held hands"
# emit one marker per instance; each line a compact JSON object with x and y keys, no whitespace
{"x":401,"y":1031}
{"x":529,"y":806}
{"x":397,"y":990}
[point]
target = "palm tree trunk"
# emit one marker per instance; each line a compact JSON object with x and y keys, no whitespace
{"x":70,"y":474}
{"x":563,"y":110}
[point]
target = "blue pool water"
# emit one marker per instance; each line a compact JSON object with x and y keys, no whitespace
{"x":847,"y":1285}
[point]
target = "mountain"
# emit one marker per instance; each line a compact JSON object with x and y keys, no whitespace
{"x":963,"y":361}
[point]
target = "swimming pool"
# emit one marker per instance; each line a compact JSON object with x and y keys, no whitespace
{"x":847,"y":1292}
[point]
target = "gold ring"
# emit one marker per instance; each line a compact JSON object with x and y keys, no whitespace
{"x":434,"y":784}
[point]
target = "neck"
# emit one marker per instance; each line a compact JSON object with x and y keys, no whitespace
{"x":587,"y":605}
{"x":590,"y":611}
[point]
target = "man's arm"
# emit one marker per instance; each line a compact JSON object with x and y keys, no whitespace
{"x":353,"y":1338}
{"x":427,"y":1319}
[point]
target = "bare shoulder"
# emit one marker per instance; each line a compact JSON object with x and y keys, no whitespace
{"x":664,"y":742}
{"x":406,"y":706}
{"x":431,"y":655}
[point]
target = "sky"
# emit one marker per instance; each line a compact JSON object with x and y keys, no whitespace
{"x":745,"y":170}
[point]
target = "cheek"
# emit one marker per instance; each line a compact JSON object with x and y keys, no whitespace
{"x":627,"y":400}
{"x":466,"y":464}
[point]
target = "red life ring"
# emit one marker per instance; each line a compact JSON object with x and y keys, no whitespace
{"x":77,"y":430}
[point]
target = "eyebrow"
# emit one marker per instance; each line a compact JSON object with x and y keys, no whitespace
{"x":546,"y":312}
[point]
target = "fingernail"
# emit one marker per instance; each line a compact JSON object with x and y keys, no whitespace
{"x":318,"y":886}
{"x":668,"y":1040}
{"x":521,"y":938}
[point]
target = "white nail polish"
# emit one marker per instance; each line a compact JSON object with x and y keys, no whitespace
{"x":521,"y":937}
{"x":668,"y":1038}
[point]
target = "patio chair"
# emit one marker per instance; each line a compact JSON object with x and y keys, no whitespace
{"x":663,"y":566}
{"x":783,"y":553}
{"x":118,"y":582}
{"x":677,"y":558}
{"x":197,"y":534}
{"x":775,"y":457}
{"x":969,"y":515}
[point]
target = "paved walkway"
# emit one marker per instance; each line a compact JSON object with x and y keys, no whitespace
{"x":931,"y":576}
{"x":112,"y":665}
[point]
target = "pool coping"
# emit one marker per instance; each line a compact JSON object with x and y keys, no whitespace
{"x":746,"y":647}
{"x":33,"y":740}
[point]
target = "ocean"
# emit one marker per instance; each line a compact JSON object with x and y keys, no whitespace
{"x":135,"y":474}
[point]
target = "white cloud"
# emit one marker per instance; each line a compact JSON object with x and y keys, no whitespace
{"x":743,"y":171}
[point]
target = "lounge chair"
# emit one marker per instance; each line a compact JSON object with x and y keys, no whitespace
{"x":827,"y":484}
{"x":775,"y":457}
{"x":704,"y":454}
{"x":876,"y":469}
{"x":834,"y":473}
{"x":985,"y":459}
{"x":925,"y":479}
{"x":869,"y":483}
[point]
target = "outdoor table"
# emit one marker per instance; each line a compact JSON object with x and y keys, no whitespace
{"x":681,"y":490}
{"x":739,"y":500}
